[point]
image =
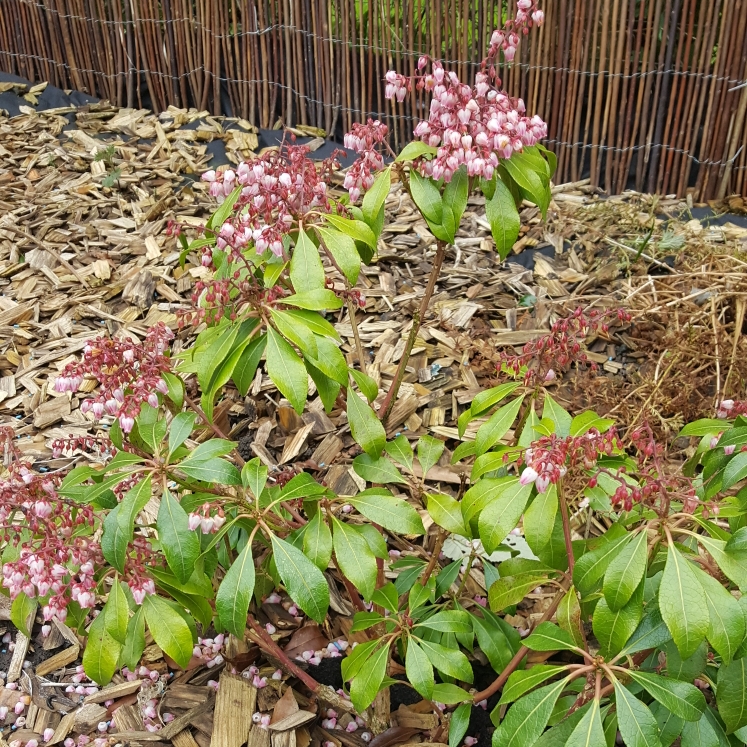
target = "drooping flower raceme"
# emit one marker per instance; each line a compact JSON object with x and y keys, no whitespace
{"x":130,"y":373}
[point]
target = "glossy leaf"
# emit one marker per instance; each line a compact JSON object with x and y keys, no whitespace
{"x":527,"y":718}
{"x":726,"y":627}
{"x":614,"y":628}
{"x":524,"y":680}
{"x":102,"y":652}
{"x":303,"y":580}
{"x":235,"y":593}
{"x":681,"y":601}
{"x":448,"y":621}
{"x":446,"y":512}
{"x":493,"y":639}
{"x":317,"y":542}
{"x":342,"y":248}
{"x":254,"y":476}
{"x":314,"y":300}
{"x":116,"y":613}
{"x":366,"y":684}
{"x":134,"y":641}
{"x":634,"y":720}
{"x":180,"y":544}
{"x":246,"y":367}
{"x":429,"y":452}
{"x":400,"y":450}
{"x":375,"y":197}
{"x":497,"y":426}
{"x":503,"y":217}
{"x":169,"y":629}
{"x":286,"y":370}
{"x":458,"y":724}
{"x":625,"y":572}
{"x":419,"y":669}
{"x":451,"y":662}
{"x":510,"y":590}
{"x":377,"y":470}
{"x":681,"y":698}
{"x":569,"y":616}
{"x":549,"y":637}
{"x":427,"y":197}
{"x":381,"y":507}
{"x":354,"y":557}
{"x":591,"y":566}
{"x":539,"y":519}
{"x":670,"y":726}
{"x":502,"y":515}
{"x":589,"y":731}
{"x":306,"y":269}
{"x":180,"y":431}
{"x":366,"y":384}
{"x":731,"y":694}
{"x":652,"y":632}
{"x":365,"y":427}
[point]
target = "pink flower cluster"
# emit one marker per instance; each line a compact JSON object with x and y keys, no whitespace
{"x":540,"y":359}
{"x":507,"y":39}
{"x":730,"y":408}
{"x":364,"y":139}
{"x":276,"y":189}
{"x":206,"y":523}
{"x":550,"y":457}
{"x":130,"y":373}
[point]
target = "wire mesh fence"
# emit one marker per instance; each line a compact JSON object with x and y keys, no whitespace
{"x":650,"y":94}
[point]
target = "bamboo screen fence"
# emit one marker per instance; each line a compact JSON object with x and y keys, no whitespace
{"x":643,"y":93}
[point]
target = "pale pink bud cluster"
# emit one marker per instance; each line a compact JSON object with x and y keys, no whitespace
{"x":141,"y":588}
{"x":730,"y":408}
{"x":206,"y":523}
{"x":209,"y":650}
{"x":364,"y":139}
{"x":276,"y":189}
{"x":507,"y":38}
{"x":130,"y":374}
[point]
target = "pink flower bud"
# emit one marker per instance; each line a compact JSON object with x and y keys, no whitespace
{"x":728,"y":450}
{"x":194,"y":521}
{"x":550,"y":375}
{"x":528,"y":476}
{"x":48,"y":734}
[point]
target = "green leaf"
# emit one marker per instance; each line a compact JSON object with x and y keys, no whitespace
{"x":219,"y":217}
{"x":735,"y":470}
{"x":549,"y":637}
{"x":375,"y":197}
{"x":681,"y":698}
{"x":446,"y":512}
{"x":491,"y":397}
{"x":342,"y":248}
{"x":625,"y":572}
{"x":330,"y":361}
{"x":379,"y":470}
{"x":286,"y":370}
{"x":314,"y":300}
{"x":448,"y":621}
{"x":180,"y":544}
{"x":451,"y":662}
{"x":731,"y":694}
{"x":215,"y":447}
{"x":366,"y":620}
{"x":733,"y":564}
{"x":410,"y":152}
{"x":116,"y":613}
{"x":356,"y":229}
{"x":703,"y":427}
{"x":314,"y":322}
{"x":652,"y":632}
{"x":589,"y":731}
{"x":524,"y":680}
{"x":503,"y":217}
{"x":614,"y":628}
{"x":102,"y":652}
{"x":246,"y":367}
{"x":21,"y":610}
{"x":497,"y":426}
{"x":387,"y":597}
{"x":119,"y":523}
{"x":303,"y":485}
{"x":726,"y":627}
{"x":669,"y":725}
{"x":588,"y":420}
{"x":299,"y":334}
{"x":392,"y":513}
{"x":738,"y":541}
{"x":445,"y":692}
{"x":635,"y":721}
{"x":306,"y":269}
{"x":419,"y":669}
{"x":181,"y":428}
{"x":591,"y":566}
{"x":401,"y":451}
{"x":254,"y":476}
{"x":366,"y":384}
{"x":366,"y":684}
{"x":455,"y":201}
{"x":365,"y":427}
{"x":492,"y":635}
{"x":458,"y":724}
{"x":528,"y":717}
{"x":569,"y":616}
{"x":317,"y":542}
{"x":681,"y":603}
{"x":235,"y":593}
{"x":559,"y":734}
{"x":328,"y":389}
{"x":273,"y":270}
{"x":134,"y":641}
{"x":429,"y":452}
{"x":685,"y":669}
{"x":356,"y":659}
{"x":169,"y":629}
{"x":510,"y":590}
{"x":216,"y":470}
{"x":354,"y":557}
{"x":559,"y":416}
{"x":533,"y":186}
{"x":502,"y":515}
{"x":303,"y":580}
{"x":699,"y":734}
{"x":539,"y":519}
{"x":427,"y":197}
